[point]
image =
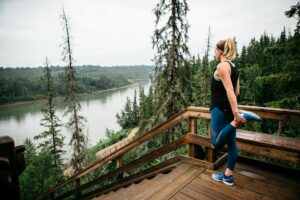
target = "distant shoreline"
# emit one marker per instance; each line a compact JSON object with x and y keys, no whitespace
{"x":80,"y":94}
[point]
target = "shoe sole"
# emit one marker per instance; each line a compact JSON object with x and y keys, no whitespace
{"x":216,"y":179}
{"x":226,"y":183}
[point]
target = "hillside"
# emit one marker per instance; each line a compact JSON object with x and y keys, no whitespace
{"x":19,"y":84}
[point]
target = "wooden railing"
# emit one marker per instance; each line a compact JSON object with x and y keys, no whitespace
{"x":191,"y":139}
{"x":12,"y":164}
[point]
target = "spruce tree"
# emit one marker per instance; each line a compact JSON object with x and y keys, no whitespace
{"x":76,"y":121}
{"x":125,"y":119}
{"x":295,"y":12}
{"x":52,"y":138}
{"x":170,"y":42}
{"x":146,"y":110}
{"x":142,"y":99}
{"x":135,"y":110}
{"x":197,"y":74}
{"x":205,"y":70}
{"x":31,"y":151}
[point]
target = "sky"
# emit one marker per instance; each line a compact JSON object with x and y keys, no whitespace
{"x":118,"y":32}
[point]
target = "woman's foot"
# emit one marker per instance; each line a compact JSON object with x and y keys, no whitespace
{"x":218,"y":177}
{"x":249,"y":116}
{"x":228,"y":180}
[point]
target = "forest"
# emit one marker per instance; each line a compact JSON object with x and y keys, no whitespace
{"x":269,"y":70}
{"x":24,"y":83}
{"x":269,"y":75}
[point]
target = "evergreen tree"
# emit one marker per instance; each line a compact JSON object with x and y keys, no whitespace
{"x":270,"y":66}
{"x":169,"y":40}
{"x":197,"y":74}
{"x":142,"y":97}
{"x":126,"y":118}
{"x":76,"y":122}
{"x":295,"y":12}
{"x":31,"y":152}
{"x":205,"y":73}
{"x":185,"y":81}
{"x":52,"y":139}
{"x":146,"y":111}
{"x":40,"y":174}
{"x":135,"y":109}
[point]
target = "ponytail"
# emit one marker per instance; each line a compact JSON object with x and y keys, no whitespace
{"x":228,"y":47}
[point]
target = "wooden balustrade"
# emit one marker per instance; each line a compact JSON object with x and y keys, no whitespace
{"x":194,"y":142}
{"x":12,"y":164}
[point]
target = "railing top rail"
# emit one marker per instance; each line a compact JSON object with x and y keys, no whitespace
{"x":274,"y":113}
{"x":264,"y":112}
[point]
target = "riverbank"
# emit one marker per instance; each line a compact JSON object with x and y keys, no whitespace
{"x":80,"y":94}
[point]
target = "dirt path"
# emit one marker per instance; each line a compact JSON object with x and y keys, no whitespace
{"x":110,"y":149}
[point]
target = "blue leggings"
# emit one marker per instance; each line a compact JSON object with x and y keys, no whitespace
{"x":223,"y":133}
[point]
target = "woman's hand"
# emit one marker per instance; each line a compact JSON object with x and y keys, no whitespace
{"x":238,"y":119}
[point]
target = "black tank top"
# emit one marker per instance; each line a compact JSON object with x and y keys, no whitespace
{"x":218,"y":93}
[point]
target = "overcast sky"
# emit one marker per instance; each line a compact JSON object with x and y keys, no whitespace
{"x":118,"y":32}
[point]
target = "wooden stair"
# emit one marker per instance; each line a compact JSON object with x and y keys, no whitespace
{"x":190,"y":181}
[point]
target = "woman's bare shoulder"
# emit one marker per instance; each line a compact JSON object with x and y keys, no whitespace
{"x":223,"y":66}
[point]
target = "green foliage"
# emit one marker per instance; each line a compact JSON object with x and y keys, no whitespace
{"x":89,"y":155}
{"x":52,"y":139}
{"x":270,"y":71}
{"x":76,"y":121}
{"x":295,"y":12}
{"x":172,"y":91}
{"x":135,"y":110}
{"x":113,"y":138}
{"x":201,"y":77}
{"x":146,"y":111}
{"x":31,"y":151}
{"x":17,"y":84}
{"x":40,"y":173}
{"x":129,"y":117}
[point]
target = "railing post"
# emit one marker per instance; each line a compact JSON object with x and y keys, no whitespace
{"x":11,"y":175}
{"x":192,"y":130}
{"x":119,"y":163}
{"x":52,"y":195}
{"x":77,"y":186}
{"x":210,"y":154}
{"x":280,"y":127}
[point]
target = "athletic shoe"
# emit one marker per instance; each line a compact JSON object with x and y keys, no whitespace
{"x":228,"y":180}
{"x":249,"y":116}
{"x":218,"y":177}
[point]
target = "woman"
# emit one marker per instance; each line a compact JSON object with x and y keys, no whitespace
{"x":225,"y":116}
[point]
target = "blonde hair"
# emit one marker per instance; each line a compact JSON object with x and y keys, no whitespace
{"x":228,"y":47}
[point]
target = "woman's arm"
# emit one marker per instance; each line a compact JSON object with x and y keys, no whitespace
{"x":237,"y":89}
{"x":223,"y":71}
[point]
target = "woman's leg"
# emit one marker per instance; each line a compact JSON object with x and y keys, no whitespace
{"x":232,"y":152}
{"x":223,"y":133}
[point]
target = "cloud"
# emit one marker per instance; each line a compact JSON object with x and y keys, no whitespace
{"x":118,"y":32}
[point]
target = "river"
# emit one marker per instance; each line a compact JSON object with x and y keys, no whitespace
{"x":22,"y":120}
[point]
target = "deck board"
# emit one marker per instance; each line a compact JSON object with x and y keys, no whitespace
{"x":169,"y":183}
{"x":232,"y":192}
{"x":182,"y":196}
{"x":194,"y":192}
{"x":191,"y":182}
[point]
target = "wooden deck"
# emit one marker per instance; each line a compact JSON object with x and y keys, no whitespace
{"x":188,"y":182}
{"x":190,"y":177}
